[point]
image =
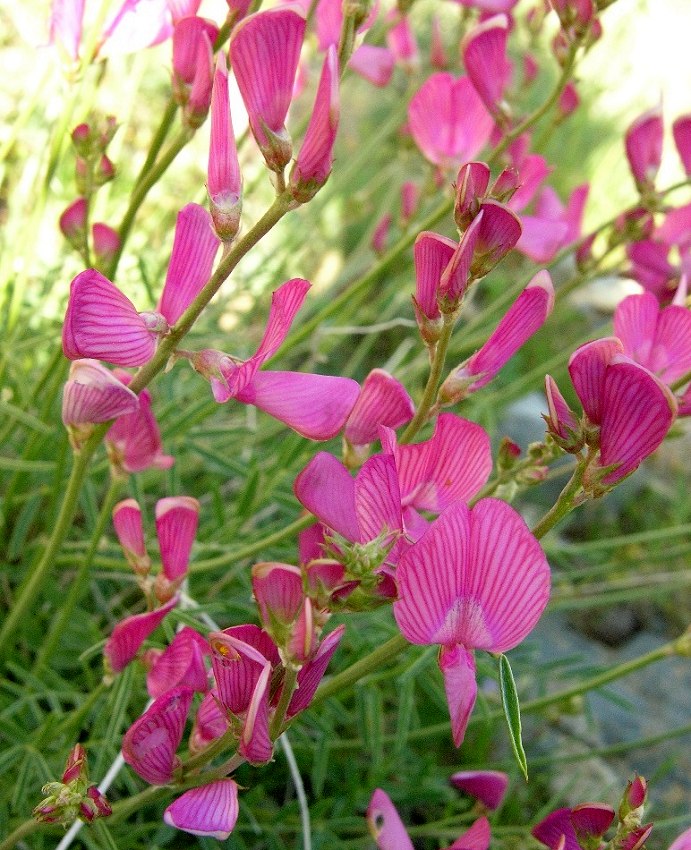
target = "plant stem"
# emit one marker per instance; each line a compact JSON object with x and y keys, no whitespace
{"x":564,"y":504}
{"x":290,"y":678}
{"x":433,"y":379}
{"x":79,"y":583}
{"x":20,"y":832}
{"x":158,"y":140}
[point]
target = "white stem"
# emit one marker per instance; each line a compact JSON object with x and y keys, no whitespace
{"x":299,"y":790}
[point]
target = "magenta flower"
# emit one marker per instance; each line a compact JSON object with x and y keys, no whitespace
{"x":643,"y":144}
{"x":209,"y":810}
{"x":373,"y":63}
{"x":181,"y":663}
{"x":193,"y":40}
{"x":129,"y":634}
{"x":410,"y":197}
{"x":224,"y":181}
{"x":315,"y":158}
{"x":448,"y":120}
{"x":650,"y":266}
{"x":681,"y":130}
{"x":150,"y":744}
{"x":93,"y":394}
{"x":402,"y":42}
{"x":524,"y":318}
{"x":571,"y":829}
{"x":264,"y":53}
{"x":477,"y":579}
{"x":106,"y":243}
{"x":286,"y":613}
{"x":73,"y":221}
{"x":488,"y":786}
{"x":382,"y":401}
{"x":554,"y":225}
{"x":471,"y":189}
{"x":127,"y":522}
{"x":484,"y":56}
{"x":210,"y":722}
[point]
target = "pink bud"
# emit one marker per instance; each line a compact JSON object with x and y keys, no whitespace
{"x":682,"y":139}
{"x":209,"y":810}
{"x":499,"y":231}
{"x":644,"y":148}
{"x":188,"y":36}
{"x":471,"y":187}
{"x":568,"y":101}
{"x":177,"y":518}
{"x":197,"y":106}
{"x":279,"y":595}
{"x":150,"y":743}
{"x":432,"y":253}
{"x":264,"y":51}
{"x":224,"y":182}
{"x":410,"y":195}
{"x":403,"y":44}
{"x":488,"y":786}
{"x":484,"y":55}
{"x":634,"y":796}
{"x":127,"y":521}
{"x":75,"y":766}
{"x":561,"y":422}
{"x":380,"y":237}
{"x":93,"y":394}
{"x":129,"y":634}
{"x":315,"y":158}
{"x":106,"y":243}
{"x":73,"y":221}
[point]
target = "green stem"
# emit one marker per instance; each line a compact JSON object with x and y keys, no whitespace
{"x":433,"y":379}
{"x":564,"y":504}
{"x":141,"y":190}
{"x":290,"y":678}
{"x":20,"y":832}
{"x":79,"y":583}
{"x":158,"y":140}
{"x":680,"y":383}
{"x":33,"y":584}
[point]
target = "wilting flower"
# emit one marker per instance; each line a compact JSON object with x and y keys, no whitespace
{"x":209,"y":810}
{"x":477,"y":579}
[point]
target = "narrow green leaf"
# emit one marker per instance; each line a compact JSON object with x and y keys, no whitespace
{"x":19,"y":465}
{"x":21,"y":416}
{"x":512,"y":712}
{"x":106,"y":839}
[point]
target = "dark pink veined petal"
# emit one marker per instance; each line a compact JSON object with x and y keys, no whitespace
{"x":587,"y":366}
{"x":374,"y":63}
{"x":432,"y":254}
{"x":682,"y":139}
{"x":127,"y":521}
{"x":561,"y":417}
{"x":255,"y":743}
{"x":637,"y":412}
{"x":484,"y":56}
{"x":237,"y":666}
{"x":209,"y":810}
{"x":316,"y":406}
{"x":471,"y":188}
{"x":312,"y":672}
{"x":210,"y":722}
{"x":256,"y":638}
{"x":488,"y":786}
{"x":285,"y":303}
{"x":129,"y":634}
{"x":550,"y":831}
{"x":414,"y":524}
{"x":103,"y":324}
{"x":181,"y":663}
{"x":136,"y":438}
{"x":508,"y":578}
{"x":454,"y":464}
{"x":264,"y":54}
{"x":382,"y":401}
{"x":498,"y":232}
{"x":150,"y":743}
{"x":327,"y":489}
{"x":93,"y":394}
{"x":194,"y":248}
{"x":591,"y":820}
{"x":477,"y":837}
{"x":457,"y":665}
{"x":377,"y":498}
{"x":177,"y":518}
{"x":188,"y":37}
{"x":430,"y":577}
{"x":643,"y":142}
{"x":278,"y":592}
{"x":670,"y":358}
{"x":635,"y":324}
{"x":455,"y":278}
{"x":385,"y":823}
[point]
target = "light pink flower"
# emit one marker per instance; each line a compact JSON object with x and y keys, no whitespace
{"x":448,"y":120}
{"x":554,"y":225}
{"x":134,"y":439}
{"x":150,"y":744}
{"x":488,"y":786}
{"x":93,"y":394}
{"x":180,"y":664}
{"x":483,"y":50}
{"x":224,"y":181}
{"x":66,"y":19}
{"x":373,"y":63}
{"x":643,"y":144}
{"x":402,"y":42}
{"x":682,"y":842}
{"x":129,"y":634}
{"x":477,"y":579}
{"x":382,"y":401}
{"x":682,"y":139}
{"x":315,"y":157}
{"x":209,"y":810}
{"x":136,"y":25}
{"x":264,"y":53}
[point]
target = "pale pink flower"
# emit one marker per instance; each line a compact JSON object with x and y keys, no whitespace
{"x":524,"y":318}
{"x":209,"y":810}
{"x":382,"y":401}
{"x":149,"y":745}
{"x":137,"y":24}
{"x":194,"y":248}
{"x":224,"y":181}
{"x":133,"y":441}
{"x":682,"y":842}
{"x":483,"y":50}
{"x":477,"y":579}
{"x":681,"y":130}
{"x":315,"y":158}
{"x":643,"y":142}
{"x":264,"y":53}
{"x":373,"y":63}
{"x":93,"y":394}
{"x":129,"y":634}
{"x":402,"y":42}
{"x":488,"y":786}
{"x":554,"y":226}
{"x":180,"y":664}
{"x":448,"y":120}
{"x":66,"y":20}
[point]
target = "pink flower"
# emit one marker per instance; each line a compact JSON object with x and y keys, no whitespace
{"x":315,"y":158}
{"x":682,"y":842}
{"x":136,"y":25}
{"x":553,"y":226}
{"x":66,"y":20}
{"x":224,"y":182}
{"x":210,"y":722}
{"x":484,"y":56}
{"x":643,"y":144}
{"x":130,"y":633}
{"x":477,"y":579}
{"x":177,"y":518}
{"x":571,"y":829}
{"x":93,"y":394}
{"x":402,"y":42}
{"x":209,"y":810}
{"x":448,"y":120}
{"x":73,"y":221}
{"x":471,"y":190}
{"x":150,"y":744}
{"x":127,"y":522}
{"x":380,"y":237}
{"x":682,"y":139}
{"x":373,"y":63}
{"x":181,"y":663}
{"x":650,"y":266}
{"x":382,"y":401}
{"x":488,"y":786}
{"x":264,"y":53}
{"x":285,"y":611}
{"x":134,"y":440}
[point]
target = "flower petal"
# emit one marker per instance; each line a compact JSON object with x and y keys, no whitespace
{"x":177,"y":518}
{"x":488,"y":786}
{"x":457,"y":665}
{"x":327,"y":489}
{"x":209,"y":810}
{"x":385,"y":823}
{"x":129,"y":634}
{"x":382,"y":401}
{"x":587,"y":366}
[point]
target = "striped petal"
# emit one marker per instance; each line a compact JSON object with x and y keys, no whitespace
{"x":255,"y":742}
{"x":224,"y":180}
{"x":237,"y":667}
{"x":432,"y":254}
{"x":129,"y":634}
{"x":316,"y":406}
{"x":210,"y":722}
{"x":194,"y":248}
{"x":635,"y":324}
{"x":637,"y":412}
{"x":177,"y":518}
{"x":93,"y":394}
{"x":643,"y":142}
{"x":454,"y":464}
{"x":210,"y":810}
{"x":278,"y":592}
{"x":103,"y":324}
{"x":561,"y":419}
{"x":385,"y":823}
{"x":457,"y":665}
{"x":382,"y":401}
{"x":127,"y":521}
{"x":587,"y":366}
{"x":477,"y":837}
{"x":484,"y":56}
{"x":134,"y":440}
{"x":670,"y":358}
{"x":312,"y":673}
{"x":377,"y":498}
{"x":150,"y":743}
{"x":327,"y":489}
{"x":181,"y":663}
